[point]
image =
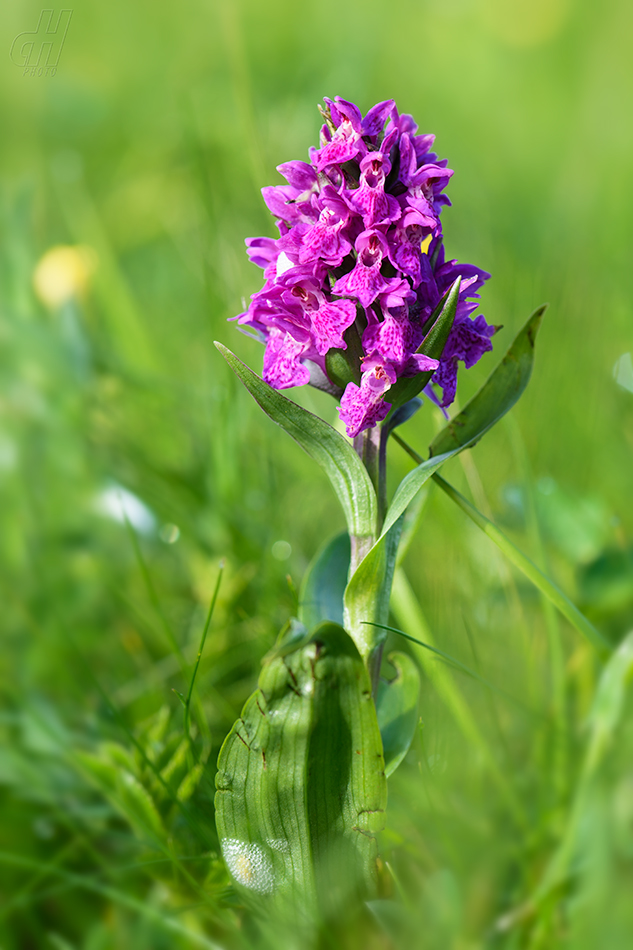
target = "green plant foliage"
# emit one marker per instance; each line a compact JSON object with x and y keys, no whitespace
{"x":323,"y":585}
{"x":498,"y":394}
{"x":294,"y":830}
{"x":368,"y":591}
{"x":397,"y":710}
{"x":493,"y":400}
{"x":496,"y":397}
{"x":346,"y":472}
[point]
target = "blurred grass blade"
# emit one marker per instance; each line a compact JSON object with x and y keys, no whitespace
{"x":498,"y":394}
{"x":547,"y":587}
{"x":187,"y":702}
{"x":324,"y":444}
{"x":441,"y":321}
{"x":456,"y":664}
{"x":323,"y":585}
{"x":397,"y":710}
{"x":604,"y":718}
{"x":408,"y":613}
{"x":296,"y":834}
{"x":142,"y":907}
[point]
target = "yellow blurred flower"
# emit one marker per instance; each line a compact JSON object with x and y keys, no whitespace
{"x":62,"y":273}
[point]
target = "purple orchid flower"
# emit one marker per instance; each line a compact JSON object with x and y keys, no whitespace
{"x":360,"y":243}
{"x":366,"y":281}
{"x":363,"y":407}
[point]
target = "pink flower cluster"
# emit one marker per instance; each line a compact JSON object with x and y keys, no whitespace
{"x":360,"y":252}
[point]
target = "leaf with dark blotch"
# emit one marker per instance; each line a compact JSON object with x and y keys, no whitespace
{"x":301,"y":789}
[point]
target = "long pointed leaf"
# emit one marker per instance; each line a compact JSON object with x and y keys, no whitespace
{"x":324,"y":444}
{"x":493,"y":400}
{"x":498,"y":394}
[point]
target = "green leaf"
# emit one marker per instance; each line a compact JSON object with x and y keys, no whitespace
{"x":365,"y":599}
{"x":441,"y":322}
{"x":498,"y":394}
{"x":496,"y":397}
{"x":324,"y":444}
{"x":343,"y":366}
{"x":369,"y":590}
{"x":125,"y":793}
{"x":397,"y":709}
{"x":323,"y":586}
{"x":401,"y":415}
{"x":301,"y":784}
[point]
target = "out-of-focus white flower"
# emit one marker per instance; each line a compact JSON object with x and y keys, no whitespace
{"x":118,"y":503}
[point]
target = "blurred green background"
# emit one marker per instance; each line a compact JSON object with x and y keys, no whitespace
{"x":144,"y":154}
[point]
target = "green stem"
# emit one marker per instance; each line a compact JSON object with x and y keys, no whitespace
{"x":371,"y":447}
{"x":366,"y":446}
{"x":382,"y":478}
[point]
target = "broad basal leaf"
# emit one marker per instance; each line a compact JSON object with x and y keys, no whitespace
{"x":324,"y":444}
{"x":301,"y":784}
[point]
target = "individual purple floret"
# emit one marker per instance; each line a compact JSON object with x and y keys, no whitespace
{"x":360,"y":250}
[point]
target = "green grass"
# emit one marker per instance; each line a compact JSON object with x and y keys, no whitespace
{"x":510,"y":824}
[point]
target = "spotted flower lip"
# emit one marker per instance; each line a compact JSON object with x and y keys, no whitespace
{"x":361,"y":250}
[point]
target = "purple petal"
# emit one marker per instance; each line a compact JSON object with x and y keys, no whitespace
{"x":363,"y":406}
{"x":375,"y":119}
{"x":364,"y":283}
{"x":299,"y":175}
{"x":422,"y":364}
{"x":262,"y":250}
{"x":329,"y":323}
{"x":282,"y":368}
{"x":349,"y":111}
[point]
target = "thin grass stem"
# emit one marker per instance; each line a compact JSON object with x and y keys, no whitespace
{"x":200,"y":649}
{"x":520,"y":560}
